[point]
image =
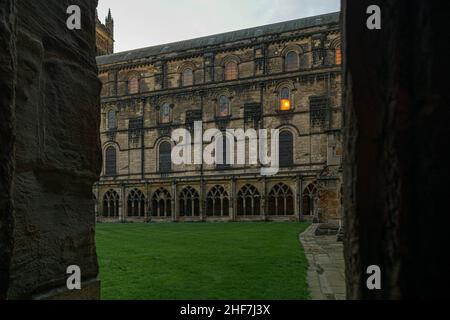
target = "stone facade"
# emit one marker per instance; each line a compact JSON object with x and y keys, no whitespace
{"x":105,"y":35}
{"x":284,"y":76}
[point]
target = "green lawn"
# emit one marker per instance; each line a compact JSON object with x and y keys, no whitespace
{"x":202,"y":261}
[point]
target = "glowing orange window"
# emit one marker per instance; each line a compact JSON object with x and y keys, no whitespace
{"x":338,"y":56}
{"x":285,"y":99}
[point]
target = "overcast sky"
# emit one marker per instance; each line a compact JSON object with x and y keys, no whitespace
{"x":143,"y":23}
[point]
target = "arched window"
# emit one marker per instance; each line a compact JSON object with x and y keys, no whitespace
{"x":218,"y":203}
{"x":110,"y":161}
{"x":223,"y":109}
{"x":249,"y":201}
{"x":136,"y":203}
{"x":281,"y":201}
{"x":189,"y":202}
{"x":285,"y":99}
{"x":309,"y":199}
{"x":165,"y":157}
{"x":188,"y":77}
{"x":133,"y":85}
{"x":286,"y":149}
{"x":112,"y":121}
{"x":338,"y":56}
{"x":292,"y":61}
{"x":231,"y":71}
{"x":161,"y":204}
{"x":165,"y":113}
{"x":111,"y":204}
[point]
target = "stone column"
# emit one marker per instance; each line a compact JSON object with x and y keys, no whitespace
{"x":233,"y":199}
{"x":174,"y":201}
{"x":264,"y":199}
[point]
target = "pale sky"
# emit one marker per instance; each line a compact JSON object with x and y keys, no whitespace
{"x":143,"y":23}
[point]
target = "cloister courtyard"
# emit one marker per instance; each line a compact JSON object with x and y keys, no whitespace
{"x":188,"y":261}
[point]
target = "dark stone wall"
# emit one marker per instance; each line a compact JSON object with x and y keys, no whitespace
{"x":396,"y":162}
{"x":47,"y":220}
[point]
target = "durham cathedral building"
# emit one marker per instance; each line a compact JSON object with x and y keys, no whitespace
{"x":284,"y":76}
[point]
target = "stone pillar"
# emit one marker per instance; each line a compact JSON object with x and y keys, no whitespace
{"x":174,"y":201}
{"x":233,"y":199}
{"x":396,"y":160}
{"x":297,"y":197}
{"x":50,"y":93}
{"x":202,"y":200}
{"x":122,"y":204}
{"x":264,"y":199}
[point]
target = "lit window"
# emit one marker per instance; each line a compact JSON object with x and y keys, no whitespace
{"x":133,"y":85}
{"x":291,"y":61}
{"x":231,"y":71}
{"x":285,"y":99}
{"x":188,"y":78}
{"x":338,"y":56}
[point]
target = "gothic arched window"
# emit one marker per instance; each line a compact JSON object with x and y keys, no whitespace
{"x":189,"y":202}
{"x":165,"y":157}
{"x":112,"y":121}
{"x":218,"y":203}
{"x":188,"y":77}
{"x":309,"y":199}
{"x":231,"y":71}
{"x":292,"y":61}
{"x":281,"y":201}
{"x":111,"y":204}
{"x":161,"y":204}
{"x":165,"y":113}
{"x":249,"y":201}
{"x":133,"y":85}
{"x":111,"y":161}
{"x":223,"y":109}
{"x":136,"y":203}
{"x":286,"y":152}
{"x":285,"y":99}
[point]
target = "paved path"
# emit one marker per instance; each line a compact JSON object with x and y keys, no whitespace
{"x":326,"y":273}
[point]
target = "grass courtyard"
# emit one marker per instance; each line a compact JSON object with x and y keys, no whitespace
{"x":202,"y":261}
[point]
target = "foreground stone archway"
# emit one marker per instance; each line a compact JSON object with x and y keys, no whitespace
{"x":396,"y":161}
{"x":50,"y":154}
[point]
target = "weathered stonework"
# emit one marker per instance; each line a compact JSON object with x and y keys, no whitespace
{"x":50,"y":147}
{"x":260,"y":55}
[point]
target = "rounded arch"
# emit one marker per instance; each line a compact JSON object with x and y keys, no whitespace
{"x":230,"y":58}
{"x":111,"y":204}
{"x":292,"y":47}
{"x":336,"y":43}
{"x":217,"y":202}
{"x":161,"y":203}
{"x":289,"y":127}
{"x":248,"y":201}
{"x":136,"y":203}
{"x":189,"y":202}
